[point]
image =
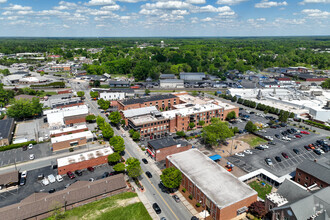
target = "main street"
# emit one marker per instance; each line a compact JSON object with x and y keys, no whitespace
{"x":170,"y":209}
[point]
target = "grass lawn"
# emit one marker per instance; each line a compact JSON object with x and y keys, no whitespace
{"x":118,"y":207}
{"x":47,"y":93}
{"x":253,"y":140}
{"x":261,"y":190}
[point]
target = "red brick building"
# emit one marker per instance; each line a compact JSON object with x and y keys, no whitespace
{"x":83,"y":160}
{"x":67,"y":116}
{"x":71,"y":140}
{"x":68,"y":130}
{"x":161,"y":148}
{"x":218,"y":191}
{"x":163,"y":102}
{"x":309,"y":173}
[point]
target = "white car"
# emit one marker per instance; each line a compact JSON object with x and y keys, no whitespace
{"x":30,"y":146}
{"x":247,"y":151}
{"x":31,"y":156}
{"x":239,"y":154}
{"x":123,"y":135}
{"x":45,"y":182}
{"x":270,"y":138}
{"x":51,"y":178}
{"x":24,"y":174}
{"x":264,"y":146}
{"x":91,"y":180}
{"x":59,"y":178}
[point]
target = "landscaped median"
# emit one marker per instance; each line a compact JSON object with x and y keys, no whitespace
{"x":118,"y":207}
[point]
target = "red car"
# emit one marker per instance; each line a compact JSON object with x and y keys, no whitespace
{"x":70,"y":175}
{"x":304,"y":132}
{"x":90,"y":169}
{"x":298,"y":136}
{"x":285,"y":155}
{"x":307,"y":148}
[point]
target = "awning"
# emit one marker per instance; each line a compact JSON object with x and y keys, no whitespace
{"x":215,"y":157}
{"x":150,"y":152}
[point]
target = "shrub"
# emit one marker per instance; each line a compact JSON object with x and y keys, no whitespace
{"x":143,"y":148}
{"x":198,"y":204}
{"x":190,"y":196}
{"x":184,"y":190}
{"x":317,"y":124}
{"x":14,"y":146}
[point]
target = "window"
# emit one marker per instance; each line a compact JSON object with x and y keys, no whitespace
{"x":298,"y":180}
{"x":321,"y":186}
{"x":299,"y":174}
{"x":306,"y":178}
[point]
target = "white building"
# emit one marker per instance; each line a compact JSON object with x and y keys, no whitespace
{"x":171,"y":83}
{"x":112,"y":95}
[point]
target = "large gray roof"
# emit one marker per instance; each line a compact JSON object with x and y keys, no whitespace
{"x":148,"y":99}
{"x":292,"y":191}
{"x":5,"y":126}
{"x":219,"y":185}
{"x":320,"y":171}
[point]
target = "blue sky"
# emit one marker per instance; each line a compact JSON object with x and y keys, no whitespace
{"x":146,"y":18}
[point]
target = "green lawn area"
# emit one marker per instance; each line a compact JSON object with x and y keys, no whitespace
{"x":45,"y":93}
{"x":261,"y":190}
{"x":253,"y":140}
{"x":118,"y":207}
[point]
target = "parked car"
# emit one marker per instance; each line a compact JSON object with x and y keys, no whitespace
{"x":271,"y":143}
{"x":24,"y":148}
{"x":269,"y":161}
{"x":59,"y":178}
{"x":52,"y":190}
{"x":304,"y":132}
{"x":156,"y":208}
{"x":318,"y":152}
{"x":31,"y":156}
{"x":285,"y":155}
{"x":247,"y":151}
{"x":278,"y":159}
{"x":51,"y":178}
{"x":277,"y":136}
{"x":264,"y":146}
{"x":144,"y":160}
{"x":176,"y":198}
{"x":105,"y":174}
{"x":239,"y":154}
{"x":296,"y":151}
{"x":24,"y":174}
{"x":307,"y":148}
{"x":298,"y":136}
{"x":78,"y":172}
{"x":30,"y":146}
{"x":90,"y":169}
{"x":259,"y":148}
{"x":70,"y":175}
{"x":149,"y":175}
{"x":22,"y":181}
{"x":45,"y":182}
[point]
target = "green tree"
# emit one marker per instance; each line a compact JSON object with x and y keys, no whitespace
{"x":131,"y":132}
{"x":180,"y":133}
{"x":107,"y":131}
{"x":114,"y":158}
{"x":103,"y":104}
{"x":24,"y":108}
{"x":133,"y":167}
{"x":115,"y":117}
{"x":215,"y":132}
{"x":30,"y":68}
{"x":118,"y":143}
{"x":171,"y":177}
{"x":191,"y":125}
{"x":235,"y":130}
{"x":194,"y":93}
{"x":250,"y":127}
{"x":96,"y":83}
{"x":100,"y":121}
{"x":80,"y":93}
{"x":119,"y":167}
{"x":136,"y":136}
{"x":94,"y":94}
{"x":5,"y":72}
{"x":284,"y":115}
{"x":90,"y":118}
{"x":291,"y":115}
{"x":231,"y":115}
{"x":326,"y":84}
{"x":147,"y":91}
{"x":201,"y":123}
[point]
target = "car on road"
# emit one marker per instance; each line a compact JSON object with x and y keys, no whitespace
{"x":278,"y":159}
{"x":30,"y":146}
{"x":59,"y":178}
{"x":285,"y":155}
{"x":45,"y":181}
{"x":176,"y":198}
{"x":318,"y":152}
{"x":156,"y":207}
{"x":194,"y":218}
{"x":31,"y":156}
{"x":24,"y":174}
{"x":247,"y":151}
{"x":304,"y":132}
{"x":269,"y":161}
{"x":296,"y":151}
{"x":22,"y":181}
{"x":78,"y":172}
{"x":24,"y":148}
{"x":149,"y":174}
{"x":91,"y":169}
{"x":51,"y":178}
{"x":307,"y":148}
{"x":144,"y":160}
{"x":239,"y":154}
{"x":259,"y":148}
{"x":271,"y":143}
{"x":52,"y":190}
{"x":91,"y":179}
{"x":105,"y":174}
{"x":70,"y":175}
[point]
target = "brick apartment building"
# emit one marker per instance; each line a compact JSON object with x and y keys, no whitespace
{"x":6,"y":131}
{"x":309,"y":173}
{"x":161,"y":148}
{"x":68,"y":130}
{"x":71,"y":140}
{"x":164,"y":102}
{"x":83,"y":160}
{"x":217,"y":190}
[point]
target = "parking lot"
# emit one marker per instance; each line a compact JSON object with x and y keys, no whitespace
{"x":256,"y":160}
{"x":18,"y":155}
{"x":33,"y":185}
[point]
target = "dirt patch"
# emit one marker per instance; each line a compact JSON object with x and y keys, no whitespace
{"x":234,"y":146}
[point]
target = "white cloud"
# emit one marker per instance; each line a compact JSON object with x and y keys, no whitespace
{"x":66,"y":26}
{"x":169,"y":5}
{"x":60,"y":7}
{"x":196,"y":1}
{"x":267,"y":4}
{"x":3,"y":1}
{"x":281,"y":21}
{"x":7,"y":13}
{"x":111,"y":8}
{"x":314,"y":1}
{"x":211,"y":8}
{"x":315,"y":13}
{"x":207,"y":19}
{"x":227,"y":14}
{"x":149,"y":12}
{"x":100,"y":2}
{"x":68,"y":4}
{"x":52,"y":13}
{"x":18,"y":8}
{"x":194,"y":20}
{"x":261,"y":19}
{"x":25,"y":12}
{"x":230,"y":2}
{"x":131,"y":1}
{"x":180,"y":12}
{"x":12,"y":18}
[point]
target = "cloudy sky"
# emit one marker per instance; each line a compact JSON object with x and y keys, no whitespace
{"x":116,"y":18}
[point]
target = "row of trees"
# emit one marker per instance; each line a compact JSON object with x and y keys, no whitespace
{"x":105,"y":127}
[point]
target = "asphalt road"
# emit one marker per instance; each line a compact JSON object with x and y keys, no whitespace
{"x":170,"y":209}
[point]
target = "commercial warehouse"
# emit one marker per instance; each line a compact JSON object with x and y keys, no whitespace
{"x":217,"y":190}
{"x":66,"y":116}
{"x":71,"y":140}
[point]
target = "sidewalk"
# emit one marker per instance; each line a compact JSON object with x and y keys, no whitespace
{"x":145,"y":202}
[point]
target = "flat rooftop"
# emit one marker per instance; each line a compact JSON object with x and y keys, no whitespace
{"x":219,"y":185}
{"x":86,"y":134}
{"x":68,"y":129}
{"x":166,"y":142}
{"x":194,"y":109}
{"x":139,"y":111}
{"x":148,"y":99}
{"x":140,"y":120}
{"x":69,"y":111}
{"x":64,"y":161}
